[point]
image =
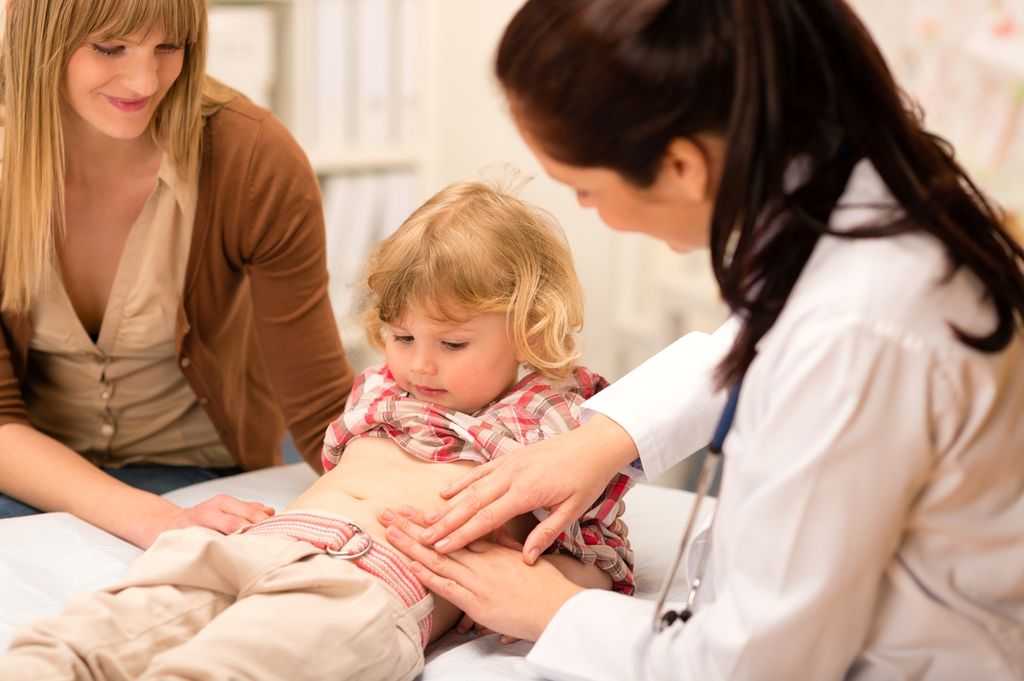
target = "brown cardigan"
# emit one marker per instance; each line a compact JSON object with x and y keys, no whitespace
{"x":256,"y":338}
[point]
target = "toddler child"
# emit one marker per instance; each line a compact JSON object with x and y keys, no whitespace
{"x":474,"y":285}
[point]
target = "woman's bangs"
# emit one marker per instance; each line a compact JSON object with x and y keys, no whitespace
{"x":117,"y":19}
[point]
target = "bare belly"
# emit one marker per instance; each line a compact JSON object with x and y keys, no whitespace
{"x":374,"y":474}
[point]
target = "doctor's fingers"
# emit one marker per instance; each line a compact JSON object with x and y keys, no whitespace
{"x":471,"y":476}
{"x":473,"y":517}
{"x":486,"y":504}
{"x":448,"y":589}
{"x":546,"y":532}
{"x":434,"y":562}
{"x":474,"y":491}
{"x":408,"y":519}
{"x":415,"y":515}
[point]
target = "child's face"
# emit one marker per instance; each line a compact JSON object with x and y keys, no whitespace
{"x":463,"y":366}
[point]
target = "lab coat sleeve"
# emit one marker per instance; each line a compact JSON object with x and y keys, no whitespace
{"x":668,"y":404}
{"x":590,"y":621}
{"x":833,"y":442}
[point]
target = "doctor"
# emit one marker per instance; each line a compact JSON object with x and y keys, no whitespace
{"x":871,"y":516}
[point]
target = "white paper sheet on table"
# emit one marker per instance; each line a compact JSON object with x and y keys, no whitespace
{"x":46,"y":559}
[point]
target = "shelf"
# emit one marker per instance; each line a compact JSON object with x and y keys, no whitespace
{"x":365,"y":160}
{"x":250,"y":2}
{"x":326,"y":54}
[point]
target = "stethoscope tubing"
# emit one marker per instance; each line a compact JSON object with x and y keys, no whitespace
{"x":708,"y":473}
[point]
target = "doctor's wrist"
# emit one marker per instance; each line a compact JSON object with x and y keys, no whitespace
{"x":551,"y":604}
{"x":607,"y":444}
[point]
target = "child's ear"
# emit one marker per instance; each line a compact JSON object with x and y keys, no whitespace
{"x":522,"y":356}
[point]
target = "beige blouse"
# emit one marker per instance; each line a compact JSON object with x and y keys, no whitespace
{"x":122,"y":399}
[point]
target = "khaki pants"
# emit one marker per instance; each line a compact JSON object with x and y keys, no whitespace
{"x":199,"y":605}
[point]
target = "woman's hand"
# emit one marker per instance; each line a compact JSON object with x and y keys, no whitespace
{"x":488,"y":582}
{"x":222,"y":513}
{"x":56,"y":478}
{"x":563,"y":475}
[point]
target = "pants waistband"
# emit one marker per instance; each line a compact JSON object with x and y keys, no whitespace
{"x":346,"y":540}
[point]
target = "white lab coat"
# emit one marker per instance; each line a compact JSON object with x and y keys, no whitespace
{"x":871,"y":517}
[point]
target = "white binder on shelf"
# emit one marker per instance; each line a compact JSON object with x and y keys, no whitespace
{"x":333,"y":82}
{"x":408,"y":45}
{"x":352,"y":215}
{"x":298,"y":106}
{"x":243,"y":49}
{"x":339,"y":192}
{"x":375,"y":73}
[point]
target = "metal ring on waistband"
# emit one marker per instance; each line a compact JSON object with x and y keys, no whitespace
{"x":340,"y":553}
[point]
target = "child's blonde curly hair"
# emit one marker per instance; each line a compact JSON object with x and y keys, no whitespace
{"x":476,"y":249}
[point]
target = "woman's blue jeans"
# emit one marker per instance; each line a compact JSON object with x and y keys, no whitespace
{"x":153,"y":478}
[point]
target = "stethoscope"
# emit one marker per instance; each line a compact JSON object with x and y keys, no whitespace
{"x":708,"y":472}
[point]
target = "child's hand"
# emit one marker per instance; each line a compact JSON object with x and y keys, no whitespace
{"x":466,"y":624}
{"x":502,"y":537}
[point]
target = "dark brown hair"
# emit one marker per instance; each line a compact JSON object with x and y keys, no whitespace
{"x":610,"y":83}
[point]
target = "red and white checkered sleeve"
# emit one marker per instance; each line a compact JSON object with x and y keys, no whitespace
{"x":600,"y":536}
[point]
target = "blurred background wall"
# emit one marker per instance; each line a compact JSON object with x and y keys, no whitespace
{"x":393,"y":99}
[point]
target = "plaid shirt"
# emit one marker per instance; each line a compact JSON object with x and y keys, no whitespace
{"x":533,"y":410}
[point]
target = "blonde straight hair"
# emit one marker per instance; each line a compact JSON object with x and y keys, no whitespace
{"x":39,"y":39}
{"x":475,"y":249}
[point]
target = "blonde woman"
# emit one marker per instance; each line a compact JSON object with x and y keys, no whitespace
{"x":162,"y":272}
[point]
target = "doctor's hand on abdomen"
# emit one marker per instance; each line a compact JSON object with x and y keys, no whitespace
{"x":562,"y":475}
